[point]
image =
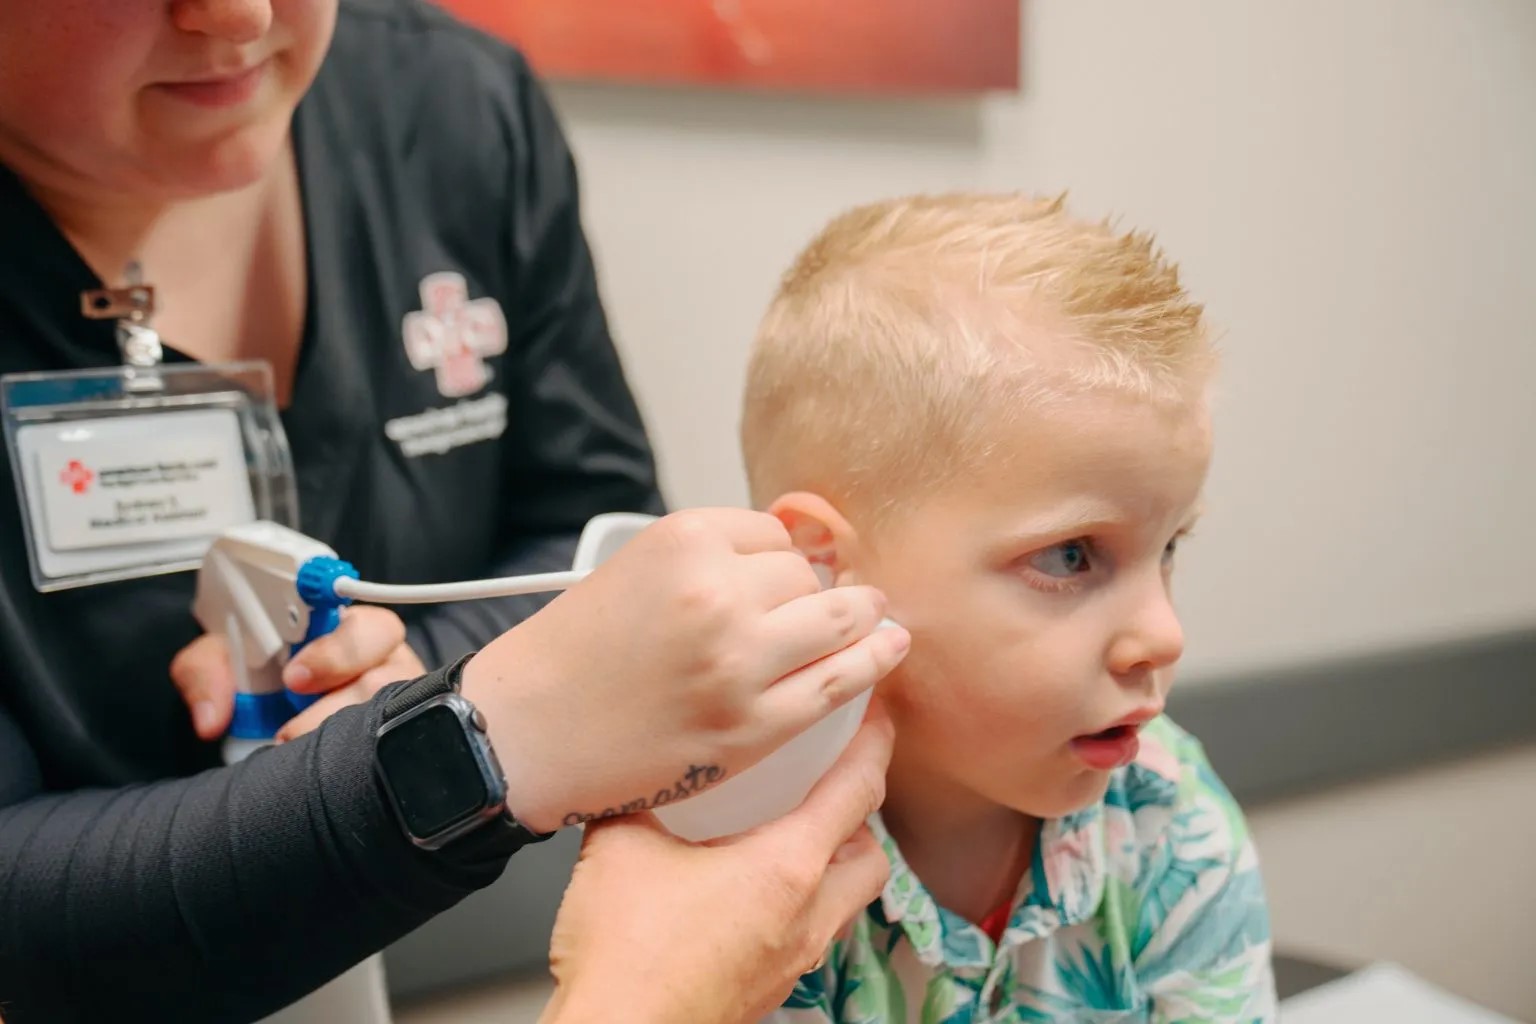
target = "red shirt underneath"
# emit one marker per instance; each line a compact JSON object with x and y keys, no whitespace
{"x":995,"y":923}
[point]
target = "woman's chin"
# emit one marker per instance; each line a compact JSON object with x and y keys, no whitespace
{"x":228,"y":168}
{"x":233,"y":161}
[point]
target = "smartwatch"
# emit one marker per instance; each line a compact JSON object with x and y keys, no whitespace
{"x":438,"y":768}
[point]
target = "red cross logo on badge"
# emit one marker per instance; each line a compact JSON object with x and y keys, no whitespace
{"x":77,"y":477}
{"x":453,"y":335}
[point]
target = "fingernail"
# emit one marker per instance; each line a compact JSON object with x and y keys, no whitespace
{"x":296,"y":674}
{"x":902,"y":640}
{"x":205,"y":717}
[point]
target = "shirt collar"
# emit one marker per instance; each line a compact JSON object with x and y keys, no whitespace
{"x":1063,"y":887}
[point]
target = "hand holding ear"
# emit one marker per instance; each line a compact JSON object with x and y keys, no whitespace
{"x":702,"y":645}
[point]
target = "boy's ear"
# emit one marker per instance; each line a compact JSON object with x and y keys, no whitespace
{"x":821,"y":533}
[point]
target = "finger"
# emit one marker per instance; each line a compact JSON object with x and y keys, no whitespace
{"x":776,"y":578}
{"x":320,"y":710}
{"x":364,"y":639}
{"x":842,"y":800}
{"x":403,"y":664}
{"x":809,"y":628}
{"x":854,"y":879}
{"x":807,"y":696}
{"x":206,"y":679}
{"x":747,"y":532}
{"x":626,"y":830}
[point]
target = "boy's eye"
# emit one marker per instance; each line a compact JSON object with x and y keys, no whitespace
{"x":1173,"y":547}
{"x":1068,"y":559}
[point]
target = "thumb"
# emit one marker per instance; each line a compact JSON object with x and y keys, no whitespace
{"x":201,"y":671}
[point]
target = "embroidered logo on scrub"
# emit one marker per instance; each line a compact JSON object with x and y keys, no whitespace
{"x":453,"y":335}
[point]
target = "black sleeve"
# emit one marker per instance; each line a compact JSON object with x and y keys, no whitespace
{"x":576,"y":445}
{"x":220,"y":897}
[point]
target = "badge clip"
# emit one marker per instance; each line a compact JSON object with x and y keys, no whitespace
{"x":131,"y":306}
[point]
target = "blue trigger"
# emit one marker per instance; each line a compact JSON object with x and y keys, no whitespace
{"x":316,"y":583}
{"x":321,"y":622}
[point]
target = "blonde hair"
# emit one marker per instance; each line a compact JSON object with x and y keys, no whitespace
{"x":907,"y":328}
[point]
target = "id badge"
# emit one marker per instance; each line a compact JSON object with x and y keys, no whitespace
{"x":131,"y":471}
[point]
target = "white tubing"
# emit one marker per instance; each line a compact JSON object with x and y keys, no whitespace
{"x":471,"y":590}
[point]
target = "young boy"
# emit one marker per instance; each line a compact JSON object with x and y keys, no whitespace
{"x":997,"y":414}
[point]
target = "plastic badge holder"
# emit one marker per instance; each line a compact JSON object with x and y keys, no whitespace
{"x":767,"y":790}
{"x":131,"y":425}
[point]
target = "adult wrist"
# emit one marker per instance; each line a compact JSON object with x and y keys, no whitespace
{"x":440,"y":771}
{"x":514,"y":728}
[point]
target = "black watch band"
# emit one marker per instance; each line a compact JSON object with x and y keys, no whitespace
{"x":417,"y":692}
{"x":501,"y":835}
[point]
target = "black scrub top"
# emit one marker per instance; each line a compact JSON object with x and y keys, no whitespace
{"x":131,"y":887}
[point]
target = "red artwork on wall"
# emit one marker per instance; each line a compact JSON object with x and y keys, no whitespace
{"x":846,"y":46}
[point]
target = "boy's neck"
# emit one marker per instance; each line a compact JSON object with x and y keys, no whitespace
{"x":970,"y":853}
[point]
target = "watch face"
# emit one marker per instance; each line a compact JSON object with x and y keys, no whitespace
{"x":432,"y":772}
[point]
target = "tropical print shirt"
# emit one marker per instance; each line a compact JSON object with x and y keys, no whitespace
{"x":1145,"y":907}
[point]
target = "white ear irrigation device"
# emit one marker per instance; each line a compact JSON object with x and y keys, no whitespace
{"x":269,"y":590}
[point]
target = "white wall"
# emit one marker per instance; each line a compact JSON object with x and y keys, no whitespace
{"x":1430,"y":869}
{"x":1348,"y":183}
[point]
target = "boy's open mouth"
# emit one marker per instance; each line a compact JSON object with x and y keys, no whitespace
{"x":1110,"y":748}
{"x":1114,"y":732}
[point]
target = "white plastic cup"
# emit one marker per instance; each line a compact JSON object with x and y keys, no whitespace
{"x":771,"y":788}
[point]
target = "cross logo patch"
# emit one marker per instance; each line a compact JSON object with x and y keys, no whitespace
{"x":77,"y":476}
{"x":453,"y":335}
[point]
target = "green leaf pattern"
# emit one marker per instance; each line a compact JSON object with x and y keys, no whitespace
{"x":1147,"y":907}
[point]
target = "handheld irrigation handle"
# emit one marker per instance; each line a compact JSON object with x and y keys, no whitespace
{"x":248,"y":592}
{"x":269,"y":590}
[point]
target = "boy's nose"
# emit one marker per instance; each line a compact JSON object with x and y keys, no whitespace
{"x":238,"y":21}
{"x":1152,"y":637}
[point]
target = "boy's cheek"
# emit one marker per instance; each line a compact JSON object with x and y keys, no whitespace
{"x":931,"y":706}
{"x":923,"y":708}
{"x":901,"y":692}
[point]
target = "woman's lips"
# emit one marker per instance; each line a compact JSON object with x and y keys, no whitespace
{"x":222,"y":91}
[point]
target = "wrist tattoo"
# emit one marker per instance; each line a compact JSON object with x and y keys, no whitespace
{"x":696,"y":779}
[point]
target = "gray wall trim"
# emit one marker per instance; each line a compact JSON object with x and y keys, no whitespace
{"x":1289,"y":731}
{"x":1271,"y":733}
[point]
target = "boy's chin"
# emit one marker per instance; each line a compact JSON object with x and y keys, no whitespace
{"x":1072,"y":795}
